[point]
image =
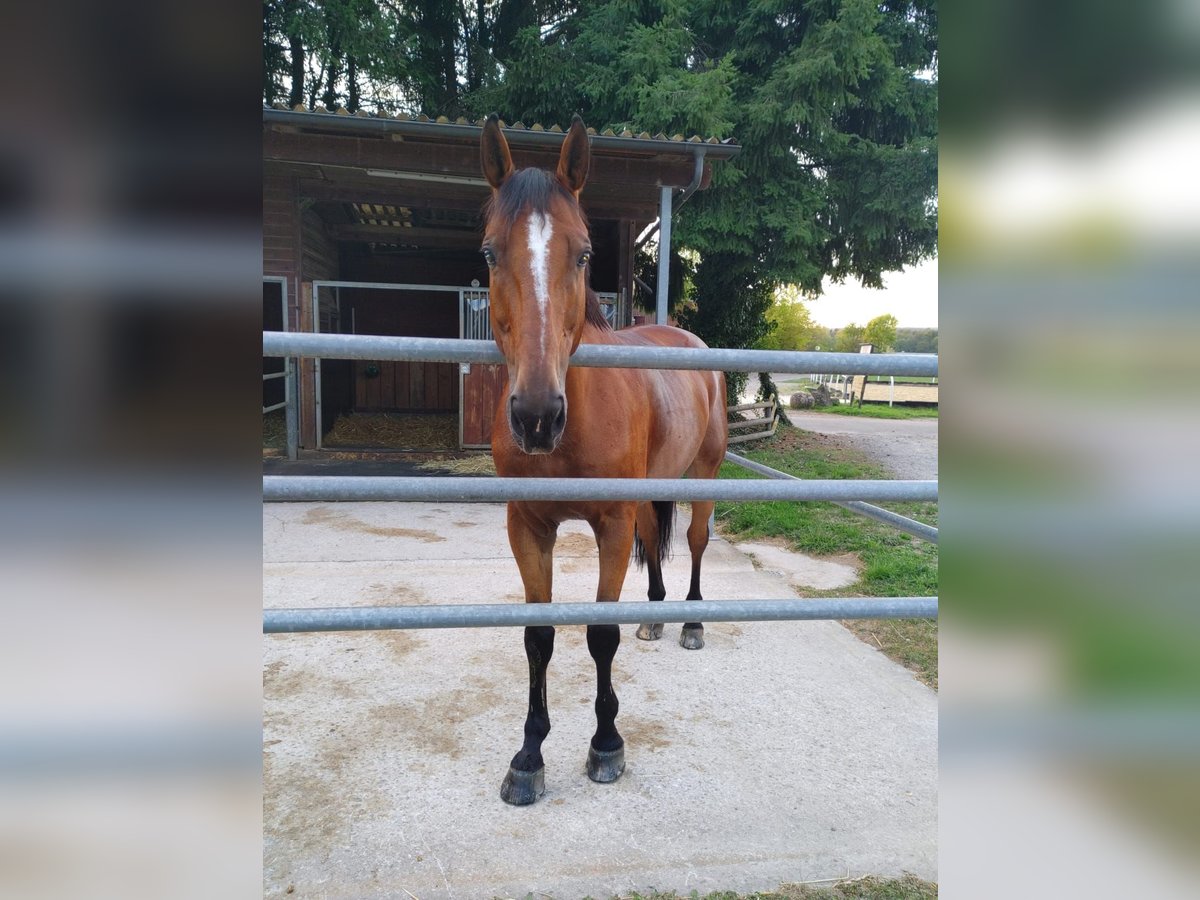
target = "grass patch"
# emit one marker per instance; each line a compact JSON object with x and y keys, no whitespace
{"x":910,"y":642}
{"x":868,"y":888}
{"x":882,"y":411}
{"x":894,"y":564}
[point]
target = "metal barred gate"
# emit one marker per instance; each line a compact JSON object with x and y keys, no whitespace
{"x":852,"y":495}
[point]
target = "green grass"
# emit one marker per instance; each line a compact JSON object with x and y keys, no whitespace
{"x":893,"y":564}
{"x":868,"y":888}
{"x":882,"y":411}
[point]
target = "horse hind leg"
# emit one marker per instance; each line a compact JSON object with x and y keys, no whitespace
{"x":649,"y":537}
{"x":692,"y":635}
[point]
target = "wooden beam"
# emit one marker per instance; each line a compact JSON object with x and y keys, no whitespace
{"x":598,"y":203}
{"x":387,"y":234}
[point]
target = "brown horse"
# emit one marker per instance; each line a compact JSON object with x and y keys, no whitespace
{"x":556,"y":421}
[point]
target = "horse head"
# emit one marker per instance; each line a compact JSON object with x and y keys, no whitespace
{"x":537,"y":246}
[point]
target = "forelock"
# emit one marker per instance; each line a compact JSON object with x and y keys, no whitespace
{"x":526,"y":190}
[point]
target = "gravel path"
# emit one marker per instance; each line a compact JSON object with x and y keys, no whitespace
{"x":908,"y":448}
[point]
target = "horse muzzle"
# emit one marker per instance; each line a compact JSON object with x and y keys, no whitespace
{"x":537,"y":423}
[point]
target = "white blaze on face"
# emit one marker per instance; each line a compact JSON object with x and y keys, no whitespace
{"x":541,"y":229}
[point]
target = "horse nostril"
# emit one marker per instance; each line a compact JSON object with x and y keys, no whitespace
{"x":513,"y":418}
{"x":560,"y":419}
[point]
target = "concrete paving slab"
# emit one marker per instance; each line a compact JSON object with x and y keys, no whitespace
{"x":800,"y":570}
{"x":780,"y":752}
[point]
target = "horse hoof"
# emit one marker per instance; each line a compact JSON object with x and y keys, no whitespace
{"x":605,"y":766}
{"x":691,"y":638}
{"x":649,"y":632}
{"x":522,"y":788}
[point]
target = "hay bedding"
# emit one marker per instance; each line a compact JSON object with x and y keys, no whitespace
{"x":394,"y":431}
{"x":274,"y":431}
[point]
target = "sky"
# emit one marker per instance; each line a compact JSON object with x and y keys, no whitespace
{"x":911,"y":296}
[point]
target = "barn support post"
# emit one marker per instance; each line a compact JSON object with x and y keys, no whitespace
{"x":307,"y":366}
{"x":290,"y":387}
{"x":664,"y":253}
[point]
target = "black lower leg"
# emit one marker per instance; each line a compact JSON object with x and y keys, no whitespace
{"x":603,"y":641}
{"x":606,"y":758}
{"x":657,"y":591}
{"x":525,"y":781}
{"x":692,"y":636}
{"x":539,"y":647}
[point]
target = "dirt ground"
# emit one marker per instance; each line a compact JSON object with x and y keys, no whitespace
{"x":907,"y":448}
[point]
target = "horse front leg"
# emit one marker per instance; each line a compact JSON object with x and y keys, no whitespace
{"x":614,"y":537}
{"x":532,"y":545}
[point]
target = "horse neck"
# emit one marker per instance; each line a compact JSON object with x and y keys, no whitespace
{"x":593,"y":334}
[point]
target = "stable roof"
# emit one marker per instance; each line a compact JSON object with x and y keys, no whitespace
{"x":418,"y":162}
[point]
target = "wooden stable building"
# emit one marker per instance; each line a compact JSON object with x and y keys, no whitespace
{"x":371,"y":225}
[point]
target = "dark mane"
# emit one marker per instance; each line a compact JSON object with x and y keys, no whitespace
{"x":594,"y":314}
{"x":532,"y":190}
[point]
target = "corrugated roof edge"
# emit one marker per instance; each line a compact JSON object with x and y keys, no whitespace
{"x":518,"y":134}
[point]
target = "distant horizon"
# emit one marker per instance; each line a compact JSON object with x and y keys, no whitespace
{"x":910,"y":296}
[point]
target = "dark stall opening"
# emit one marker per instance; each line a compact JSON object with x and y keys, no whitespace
{"x":385,"y":405}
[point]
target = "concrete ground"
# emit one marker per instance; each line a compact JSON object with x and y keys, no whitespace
{"x":781,"y":752}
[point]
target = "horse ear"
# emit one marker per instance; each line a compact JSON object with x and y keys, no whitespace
{"x":575,"y":157}
{"x":493,"y":152}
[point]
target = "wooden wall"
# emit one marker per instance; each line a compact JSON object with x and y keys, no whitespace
{"x":425,"y":387}
{"x":319,"y":253}
{"x":408,"y":387}
{"x":281,"y":235}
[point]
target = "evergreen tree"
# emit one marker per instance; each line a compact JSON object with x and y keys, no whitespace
{"x":834,"y":104}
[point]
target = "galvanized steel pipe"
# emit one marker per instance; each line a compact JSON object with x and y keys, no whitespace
{"x":903,"y":523}
{"x":453,"y":350}
{"x":494,"y":615}
{"x":494,"y":490}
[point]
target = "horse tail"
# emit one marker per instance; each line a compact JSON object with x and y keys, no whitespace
{"x":664,"y":511}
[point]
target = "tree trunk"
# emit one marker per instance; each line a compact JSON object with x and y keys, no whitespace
{"x":330,"y":97}
{"x":296,"y":96}
{"x":352,"y":83}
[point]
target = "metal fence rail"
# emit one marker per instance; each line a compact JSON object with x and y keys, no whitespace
{"x":495,"y":490}
{"x":493,"y":615}
{"x":781,"y":486}
{"x":453,"y":350}
{"x":903,"y":523}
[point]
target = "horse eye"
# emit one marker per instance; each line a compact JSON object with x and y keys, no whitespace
{"x":489,"y":257}
{"x":585,"y":258}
